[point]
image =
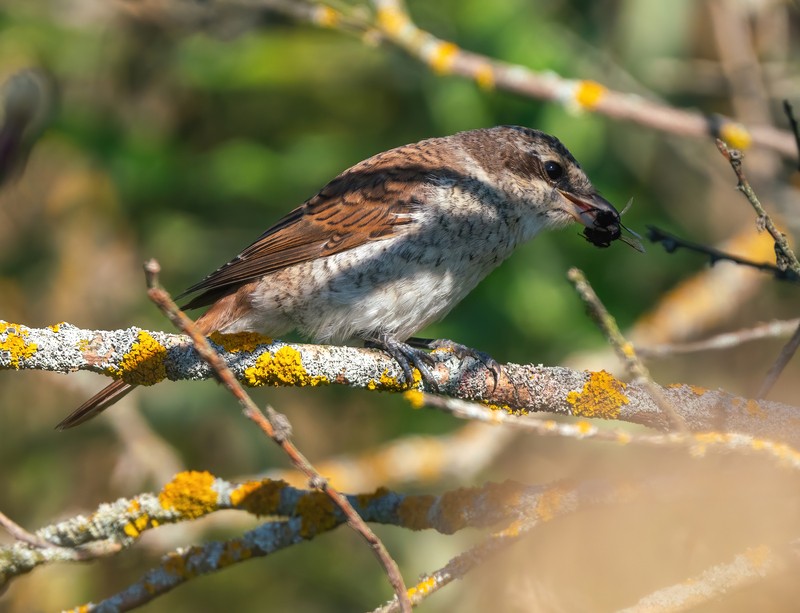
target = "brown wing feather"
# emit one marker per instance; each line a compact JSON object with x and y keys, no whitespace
{"x":370,"y":201}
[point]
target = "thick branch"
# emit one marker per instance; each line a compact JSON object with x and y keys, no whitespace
{"x":145,"y":358}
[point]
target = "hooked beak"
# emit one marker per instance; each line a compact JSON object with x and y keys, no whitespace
{"x":587,"y":209}
{"x":601,"y":220}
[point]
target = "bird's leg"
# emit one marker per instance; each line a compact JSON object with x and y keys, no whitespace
{"x":406,"y":356}
{"x":460,"y":351}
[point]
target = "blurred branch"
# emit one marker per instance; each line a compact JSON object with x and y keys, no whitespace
{"x":745,"y":569}
{"x":391,"y":22}
{"x":275,"y":425}
{"x":192,"y":495}
{"x":726,"y":340}
{"x":412,"y":459}
{"x":145,"y":358}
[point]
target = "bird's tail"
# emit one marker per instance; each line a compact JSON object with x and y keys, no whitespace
{"x":96,"y":404}
{"x":223,"y":313}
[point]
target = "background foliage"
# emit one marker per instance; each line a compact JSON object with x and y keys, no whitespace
{"x":184,"y":143}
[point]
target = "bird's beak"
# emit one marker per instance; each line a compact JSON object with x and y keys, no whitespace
{"x":601,"y":220}
{"x":589,"y":210}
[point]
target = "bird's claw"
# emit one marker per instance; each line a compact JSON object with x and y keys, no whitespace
{"x":461,"y":352}
{"x":407,"y":356}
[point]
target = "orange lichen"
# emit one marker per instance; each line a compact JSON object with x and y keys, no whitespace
{"x":697,"y":390}
{"x":735,"y":135}
{"x":144,"y":363}
{"x":190,"y":494}
{"x":589,"y":93}
{"x":284,"y":367}
{"x":15,"y":345}
{"x":758,"y":556}
{"x":602,"y":396}
{"x":413,"y":512}
{"x":258,"y":497}
{"x":239,"y":341}
{"x":754,"y":409}
{"x":550,"y":503}
{"x":316,"y":510}
{"x":442,"y":57}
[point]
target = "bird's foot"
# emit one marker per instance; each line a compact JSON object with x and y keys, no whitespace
{"x":461,"y":352}
{"x":407,"y":356}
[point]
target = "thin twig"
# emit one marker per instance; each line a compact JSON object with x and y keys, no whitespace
{"x":726,"y":340}
{"x":21,"y":534}
{"x":785,"y":257}
{"x":280,"y":434}
{"x":786,"y":354}
{"x":787,"y":108}
{"x":623,"y":347}
{"x":671,"y":243}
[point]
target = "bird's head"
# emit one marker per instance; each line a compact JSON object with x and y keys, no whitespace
{"x":541,"y":172}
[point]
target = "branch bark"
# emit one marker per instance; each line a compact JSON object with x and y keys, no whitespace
{"x":147,"y":357}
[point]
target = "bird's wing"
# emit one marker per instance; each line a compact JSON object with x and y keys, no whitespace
{"x":372,"y":200}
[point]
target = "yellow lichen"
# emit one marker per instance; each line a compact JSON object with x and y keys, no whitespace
{"x":284,"y":367}
{"x":15,"y":345}
{"x":240,"y":341}
{"x":258,"y":497}
{"x":415,"y":398}
{"x":602,"y":396}
{"x":392,"y":384}
{"x":442,"y":57}
{"x":584,"y":427}
{"x":735,"y":135}
{"x":422,"y":588}
{"x":589,"y":93}
{"x":144,"y":363}
{"x":392,"y":21}
{"x":190,"y":494}
{"x":55,"y":327}
{"x":326,"y":17}
{"x":484,"y":76}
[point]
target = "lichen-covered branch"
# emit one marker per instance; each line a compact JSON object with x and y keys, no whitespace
{"x":145,"y":358}
{"x":191,"y":495}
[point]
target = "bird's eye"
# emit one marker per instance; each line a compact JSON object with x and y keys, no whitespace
{"x":554,"y":170}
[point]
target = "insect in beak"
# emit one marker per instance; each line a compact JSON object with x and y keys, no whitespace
{"x":601,"y":220}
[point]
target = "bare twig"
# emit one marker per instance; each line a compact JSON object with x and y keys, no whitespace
{"x":671,"y":243}
{"x":280,"y":435}
{"x":785,"y":257}
{"x":745,"y":569}
{"x":623,"y":347}
{"x":787,"y":108}
{"x":726,"y":340}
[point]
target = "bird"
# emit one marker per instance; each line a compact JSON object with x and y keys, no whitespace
{"x":393,"y":243}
